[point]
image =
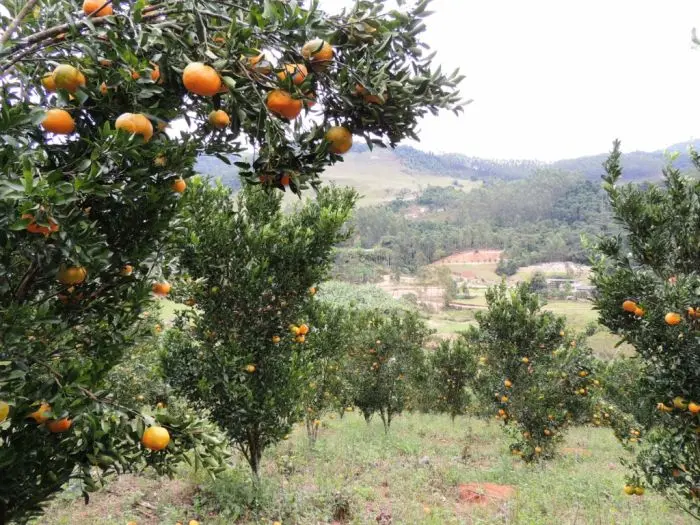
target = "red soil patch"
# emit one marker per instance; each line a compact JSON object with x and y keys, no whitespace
{"x":473,"y":256}
{"x":485,"y":493}
{"x":577,"y":451}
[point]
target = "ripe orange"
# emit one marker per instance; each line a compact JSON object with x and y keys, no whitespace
{"x":91,"y":5}
{"x":691,"y":312}
{"x":664,"y":408}
{"x":639,"y":491}
{"x":58,"y":121}
{"x":161,"y":289}
{"x":68,"y":77}
{"x":582,"y":373}
{"x":276,"y":339}
{"x":301,"y":339}
{"x":201,"y":79}
{"x":303,"y":329}
{"x":250,"y":368}
{"x":193,"y":522}
{"x":629,"y":306}
{"x":59,"y":425}
{"x":155,"y":73}
{"x":672,"y":318}
{"x":4,"y":411}
{"x":525,"y":360}
{"x":628,"y":489}
{"x":71,"y":275}
{"x":155,"y":438}
{"x":41,"y":414}
{"x":126,"y":271}
{"x":297,"y":72}
{"x":281,"y":103}
{"x":179,"y":185}
{"x":219,"y":119}
{"x":103,"y":88}
{"x":48,"y":82}
{"x":135,"y":75}
{"x":693,"y":407}
{"x":508,"y":383}
{"x":639,"y":311}
{"x":33,"y":227}
{"x":135,"y":123}
{"x":285,"y":180}
{"x":160,"y":404}
{"x":312,"y":290}
{"x":318,"y":52}
{"x":340,"y":139}
{"x":538,"y":450}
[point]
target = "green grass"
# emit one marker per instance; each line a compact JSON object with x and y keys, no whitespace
{"x":359,"y":467}
{"x":578,"y":313}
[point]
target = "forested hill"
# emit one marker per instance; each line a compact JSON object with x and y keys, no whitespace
{"x":638,"y":166}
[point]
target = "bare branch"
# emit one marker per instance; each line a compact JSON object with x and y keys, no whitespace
{"x":13,"y":25}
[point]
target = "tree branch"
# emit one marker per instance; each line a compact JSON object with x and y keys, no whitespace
{"x":13,"y":25}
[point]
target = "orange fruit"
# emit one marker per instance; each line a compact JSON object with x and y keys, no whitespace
{"x":126,"y":271}
{"x":691,"y":312}
{"x":312,"y":290}
{"x":68,"y":77}
{"x":4,"y":411}
{"x":639,"y":491}
{"x":92,"y":5}
{"x":161,"y":289}
{"x":276,"y":339}
{"x":629,"y":306}
{"x":59,"y":425}
{"x":103,"y":88}
{"x":693,"y":407}
{"x":672,"y":318}
{"x":250,"y":368}
{"x":297,"y":72}
{"x":525,"y":360}
{"x":340,"y":139}
{"x":318,"y":52}
{"x":155,"y":73}
{"x":628,"y":489}
{"x":155,"y":438}
{"x":135,"y":123}
{"x":639,"y":311}
{"x":281,"y":103}
{"x":301,"y":339}
{"x":135,"y":75}
{"x":48,"y":82}
{"x":33,"y":227}
{"x":285,"y":180}
{"x":58,"y":121}
{"x":538,"y":450}
{"x":178,"y":186}
{"x":303,"y":329}
{"x":104,"y":62}
{"x":71,"y":275}
{"x":201,"y":79}
{"x":193,"y":522}
{"x":40,"y":415}
{"x":508,"y":383}
{"x":219,"y":119}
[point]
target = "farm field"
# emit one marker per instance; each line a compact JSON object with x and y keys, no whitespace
{"x":415,"y":475}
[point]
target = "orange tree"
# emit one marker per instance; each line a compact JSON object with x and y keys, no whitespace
{"x":649,"y":294}
{"x":90,"y":180}
{"x":388,"y":359}
{"x":243,"y":355}
{"x":453,"y":369}
{"x":534,"y":377}
{"x":335,"y":331}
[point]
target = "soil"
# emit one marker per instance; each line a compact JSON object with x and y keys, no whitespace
{"x":485,"y":493}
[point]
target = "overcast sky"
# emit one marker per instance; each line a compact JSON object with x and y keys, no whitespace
{"x":555,"y":79}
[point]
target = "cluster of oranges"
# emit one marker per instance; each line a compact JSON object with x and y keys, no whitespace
{"x":671,"y":318}
{"x":42,"y":417}
{"x":679,"y":403}
{"x":299,"y":332}
{"x":633,"y":490}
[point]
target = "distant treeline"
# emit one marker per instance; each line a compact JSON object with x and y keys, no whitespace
{"x":535,"y":220}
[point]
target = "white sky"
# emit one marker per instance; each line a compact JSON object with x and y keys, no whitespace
{"x":556,"y":79}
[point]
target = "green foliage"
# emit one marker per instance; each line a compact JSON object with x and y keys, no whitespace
{"x":506,"y":267}
{"x":362,"y":297}
{"x":538,"y":219}
{"x":655,"y":264}
{"x":453,"y":369}
{"x":250,"y":269}
{"x":388,"y":360}
{"x":532,"y":375}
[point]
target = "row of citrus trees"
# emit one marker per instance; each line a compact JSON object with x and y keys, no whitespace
{"x":104,"y":112}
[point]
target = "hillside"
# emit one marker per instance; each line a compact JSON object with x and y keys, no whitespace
{"x":383,"y":175}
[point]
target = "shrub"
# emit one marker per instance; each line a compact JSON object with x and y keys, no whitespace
{"x":648,"y":291}
{"x":453,"y":369}
{"x":533,"y":376}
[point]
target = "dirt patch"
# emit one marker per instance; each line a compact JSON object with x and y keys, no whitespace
{"x":472,"y":257}
{"x":485,"y":493}
{"x":576,"y":451}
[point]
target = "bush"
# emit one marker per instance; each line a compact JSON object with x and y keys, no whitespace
{"x":534,"y":377}
{"x":648,"y":291}
{"x":453,"y":369}
{"x":252,"y":272}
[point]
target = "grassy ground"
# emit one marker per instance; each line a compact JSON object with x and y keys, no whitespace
{"x":412,"y":476}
